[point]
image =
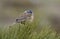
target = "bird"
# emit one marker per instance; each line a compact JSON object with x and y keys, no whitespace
{"x":26,"y":16}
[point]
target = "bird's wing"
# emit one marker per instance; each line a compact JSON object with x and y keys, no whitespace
{"x":22,"y":15}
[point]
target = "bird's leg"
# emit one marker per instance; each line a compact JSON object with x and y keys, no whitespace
{"x":23,"y":22}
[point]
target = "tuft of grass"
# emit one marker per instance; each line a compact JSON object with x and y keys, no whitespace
{"x":28,"y":31}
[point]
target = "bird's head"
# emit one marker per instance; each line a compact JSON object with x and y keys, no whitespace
{"x":28,"y":12}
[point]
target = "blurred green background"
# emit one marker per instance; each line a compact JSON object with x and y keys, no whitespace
{"x":11,"y":9}
{"x":40,"y":28}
